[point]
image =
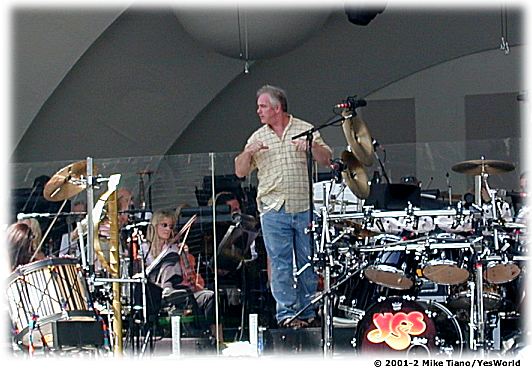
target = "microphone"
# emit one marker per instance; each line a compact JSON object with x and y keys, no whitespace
{"x":337,"y":166}
{"x":375,"y":143}
{"x":352,"y":103}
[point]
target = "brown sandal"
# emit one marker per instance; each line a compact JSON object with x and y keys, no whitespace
{"x":293,"y":323}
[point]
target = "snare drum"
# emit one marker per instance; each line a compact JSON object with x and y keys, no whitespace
{"x":398,"y":326}
{"x":45,"y":291}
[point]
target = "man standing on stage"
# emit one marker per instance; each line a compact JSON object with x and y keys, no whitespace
{"x":283,"y":200}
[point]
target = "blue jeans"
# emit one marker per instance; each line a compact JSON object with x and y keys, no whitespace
{"x":281,"y":231}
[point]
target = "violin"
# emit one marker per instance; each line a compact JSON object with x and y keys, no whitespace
{"x":191,"y":276}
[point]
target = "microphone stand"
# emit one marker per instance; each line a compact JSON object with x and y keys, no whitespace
{"x":309,"y":137}
{"x":375,"y":146}
{"x":327,"y":325}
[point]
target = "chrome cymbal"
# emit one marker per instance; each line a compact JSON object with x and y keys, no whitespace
{"x":354,"y":175}
{"x":479,"y":166}
{"x":67,"y":182}
{"x":357,"y":135}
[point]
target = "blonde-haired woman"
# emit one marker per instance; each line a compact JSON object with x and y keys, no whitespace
{"x":174,"y":272}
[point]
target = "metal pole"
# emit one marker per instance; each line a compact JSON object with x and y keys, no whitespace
{"x":90,"y":221}
{"x":327,"y":325}
{"x":215,"y":251}
{"x":480,"y":307}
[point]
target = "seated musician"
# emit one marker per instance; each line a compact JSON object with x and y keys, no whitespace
{"x":172,"y":268}
{"x":125,"y":203}
{"x":69,"y":241}
{"x":20,"y":241}
{"x":35,"y":226}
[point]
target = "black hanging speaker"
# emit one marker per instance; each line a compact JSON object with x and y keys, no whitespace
{"x":361,"y":14}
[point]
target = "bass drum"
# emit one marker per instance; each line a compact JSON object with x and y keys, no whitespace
{"x":397,"y":325}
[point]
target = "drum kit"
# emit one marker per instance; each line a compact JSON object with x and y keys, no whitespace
{"x":445,"y":281}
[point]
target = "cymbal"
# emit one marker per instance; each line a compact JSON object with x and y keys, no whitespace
{"x":479,"y":166}
{"x":355,"y":176}
{"x":67,"y":182}
{"x":357,"y":135}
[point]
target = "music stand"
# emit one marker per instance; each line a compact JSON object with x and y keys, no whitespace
{"x":233,"y":234}
{"x":233,"y":259}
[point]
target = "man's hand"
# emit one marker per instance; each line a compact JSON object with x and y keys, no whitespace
{"x":253,"y":148}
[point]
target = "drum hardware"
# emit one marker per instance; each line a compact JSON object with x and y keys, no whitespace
{"x":419,"y":244}
{"x":336,"y":197}
{"x":354,"y":229}
{"x":352,"y":312}
{"x":327,"y":321}
{"x":477,"y":318}
{"x":410,"y":219}
{"x":429,"y":291}
{"x":370,"y":214}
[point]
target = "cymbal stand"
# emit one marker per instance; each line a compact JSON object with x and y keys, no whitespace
{"x":477,"y":325}
{"x":43,"y":239}
{"x":81,"y":242}
{"x":148,"y":330}
{"x":327,"y":322}
{"x":449,"y":189}
{"x":381,"y":164}
{"x":479,"y":314}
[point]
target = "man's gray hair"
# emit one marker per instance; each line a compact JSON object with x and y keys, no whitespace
{"x":276,"y":94}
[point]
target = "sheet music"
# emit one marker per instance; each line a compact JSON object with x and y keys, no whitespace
{"x":157,"y":261}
